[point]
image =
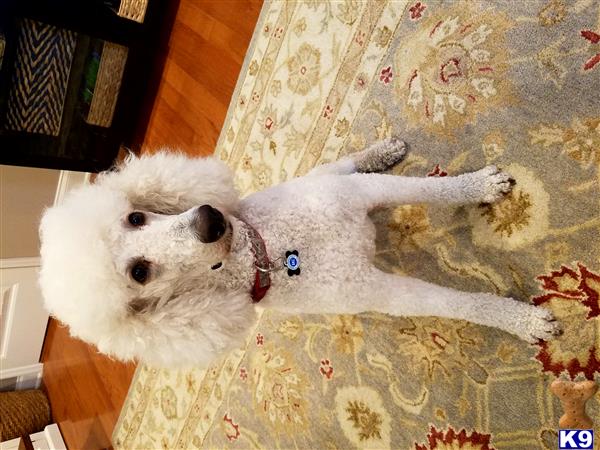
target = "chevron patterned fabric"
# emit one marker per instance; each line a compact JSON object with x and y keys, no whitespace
{"x":39,"y":84}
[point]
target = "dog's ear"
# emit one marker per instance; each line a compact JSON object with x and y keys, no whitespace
{"x":189,"y":330}
{"x":170,"y":183}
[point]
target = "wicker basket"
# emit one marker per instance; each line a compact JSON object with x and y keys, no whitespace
{"x":133,"y":9}
{"x":23,"y":412}
{"x":108,"y":83}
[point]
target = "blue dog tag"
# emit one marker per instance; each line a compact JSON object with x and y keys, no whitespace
{"x":292,"y":262}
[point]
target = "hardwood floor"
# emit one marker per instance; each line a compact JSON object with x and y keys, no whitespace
{"x":206,"y":51}
{"x":86,"y":389}
{"x":202,"y":62}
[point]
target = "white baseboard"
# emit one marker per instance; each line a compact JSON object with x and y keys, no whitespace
{"x":33,"y":369}
{"x":50,"y":439}
{"x":17,"y":263}
{"x":67,"y":180}
{"x":54,"y":438}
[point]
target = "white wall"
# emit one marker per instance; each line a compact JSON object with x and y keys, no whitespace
{"x":24,"y":193}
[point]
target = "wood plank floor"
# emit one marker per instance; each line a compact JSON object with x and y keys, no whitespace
{"x":86,"y":389}
{"x":202,"y":62}
{"x":207,"y":48}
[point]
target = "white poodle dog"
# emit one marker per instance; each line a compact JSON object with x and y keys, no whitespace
{"x":160,"y":261}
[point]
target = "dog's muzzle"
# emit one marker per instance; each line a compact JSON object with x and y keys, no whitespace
{"x":209,"y":224}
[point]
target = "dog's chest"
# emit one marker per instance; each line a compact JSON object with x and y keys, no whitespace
{"x":323,"y":233}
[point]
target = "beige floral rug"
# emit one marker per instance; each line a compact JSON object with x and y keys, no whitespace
{"x":513,"y":83}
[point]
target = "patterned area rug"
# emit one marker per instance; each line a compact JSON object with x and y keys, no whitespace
{"x":466,"y":84}
{"x":40,"y":78}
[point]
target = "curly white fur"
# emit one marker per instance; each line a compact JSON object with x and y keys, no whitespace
{"x":191,"y":310}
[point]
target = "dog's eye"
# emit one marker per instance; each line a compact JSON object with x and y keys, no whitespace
{"x":140,"y":271}
{"x":137,"y":219}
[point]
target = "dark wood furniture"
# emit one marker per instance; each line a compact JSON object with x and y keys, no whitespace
{"x":80,"y":145}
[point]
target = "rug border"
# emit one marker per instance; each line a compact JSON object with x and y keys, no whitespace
{"x":242,"y":75}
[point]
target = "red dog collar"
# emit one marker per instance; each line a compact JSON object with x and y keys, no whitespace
{"x":262,"y":280}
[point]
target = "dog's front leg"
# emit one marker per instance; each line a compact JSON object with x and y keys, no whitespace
{"x":376,"y":158}
{"x":405,"y":296}
{"x":372,"y":190}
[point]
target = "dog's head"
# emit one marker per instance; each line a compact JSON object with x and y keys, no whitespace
{"x":128,"y":262}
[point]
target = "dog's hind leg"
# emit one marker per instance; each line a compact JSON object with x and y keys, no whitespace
{"x":371,"y":190}
{"x":405,"y":296}
{"x":378,"y":157}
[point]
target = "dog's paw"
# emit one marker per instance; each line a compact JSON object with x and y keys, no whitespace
{"x":491,"y":184}
{"x":541,"y":324}
{"x":381,"y":156}
{"x":392,"y":151}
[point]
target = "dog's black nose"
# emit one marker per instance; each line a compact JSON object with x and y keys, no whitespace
{"x":209,"y":224}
